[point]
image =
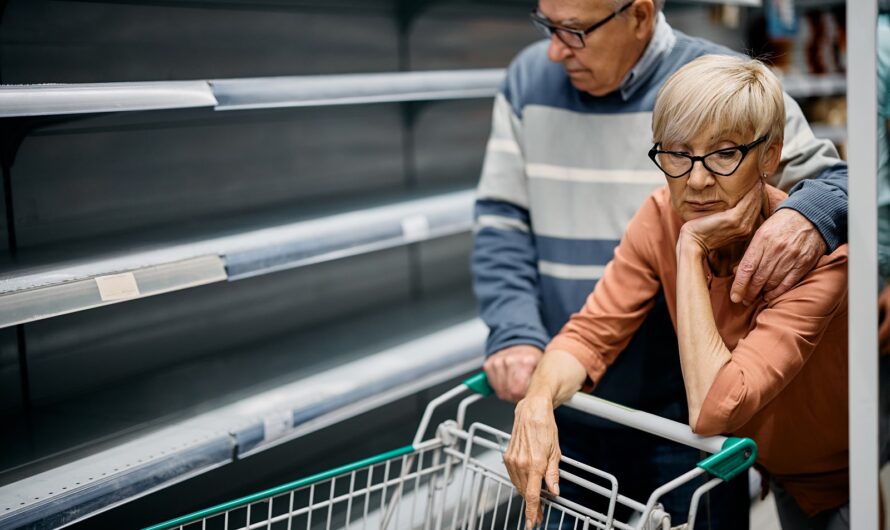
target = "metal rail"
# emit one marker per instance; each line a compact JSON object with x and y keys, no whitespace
{"x":40,"y":292}
{"x":248,"y":93}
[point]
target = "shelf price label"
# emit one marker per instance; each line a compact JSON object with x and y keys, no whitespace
{"x":415,"y":227}
{"x":116,"y":287}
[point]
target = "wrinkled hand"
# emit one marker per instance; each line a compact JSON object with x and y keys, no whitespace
{"x":720,"y":229}
{"x":884,"y":321}
{"x":510,"y":370}
{"x":785,"y":248}
{"x":533,"y":454}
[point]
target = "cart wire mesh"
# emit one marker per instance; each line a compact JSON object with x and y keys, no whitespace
{"x":457,"y":480}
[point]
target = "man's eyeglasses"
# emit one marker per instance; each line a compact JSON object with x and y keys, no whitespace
{"x":723,"y":162}
{"x":573,"y":38}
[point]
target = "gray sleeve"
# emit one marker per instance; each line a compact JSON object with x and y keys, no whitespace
{"x":816,"y":178}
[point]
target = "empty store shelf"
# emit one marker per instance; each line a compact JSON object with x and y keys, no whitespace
{"x":43,"y":290}
{"x":235,"y":408}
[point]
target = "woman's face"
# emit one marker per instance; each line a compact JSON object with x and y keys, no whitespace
{"x":700,"y":192}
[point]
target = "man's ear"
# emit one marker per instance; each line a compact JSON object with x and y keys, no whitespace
{"x":772,"y":158}
{"x":643,"y":16}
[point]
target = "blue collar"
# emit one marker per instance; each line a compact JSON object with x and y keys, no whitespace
{"x":662,"y":41}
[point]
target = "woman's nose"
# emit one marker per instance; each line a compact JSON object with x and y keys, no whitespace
{"x":558,"y":51}
{"x":699,"y":178}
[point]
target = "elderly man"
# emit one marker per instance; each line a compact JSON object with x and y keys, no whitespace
{"x":564,"y":172}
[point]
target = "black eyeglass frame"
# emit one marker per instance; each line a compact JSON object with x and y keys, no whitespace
{"x":550,"y":28}
{"x":744,"y":149}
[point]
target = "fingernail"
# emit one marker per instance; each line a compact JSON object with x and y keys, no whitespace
{"x":556,"y":489}
{"x":735,"y":298}
{"x":528,"y":524}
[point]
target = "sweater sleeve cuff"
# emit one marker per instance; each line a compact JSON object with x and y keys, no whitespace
{"x":827,"y":212}
{"x":527,"y":336}
{"x":592,"y":362}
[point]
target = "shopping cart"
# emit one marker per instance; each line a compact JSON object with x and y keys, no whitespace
{"x":457,"y":479}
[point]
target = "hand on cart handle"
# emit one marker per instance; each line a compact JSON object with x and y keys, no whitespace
{"x":510,"y":370}
{"x":533,"y":454}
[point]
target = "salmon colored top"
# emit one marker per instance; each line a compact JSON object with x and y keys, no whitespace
{"x":786,"y":383}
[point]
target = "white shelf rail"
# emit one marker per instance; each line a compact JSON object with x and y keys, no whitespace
{"x":248,"y":93}
{"x":54,"y":99}
{"x":349,"y":89}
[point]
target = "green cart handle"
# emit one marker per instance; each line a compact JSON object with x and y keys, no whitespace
{"x":479,"y":384}
{"x":730,"y":457}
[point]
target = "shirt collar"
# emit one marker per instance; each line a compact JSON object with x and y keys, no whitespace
{"x":662,"y":41}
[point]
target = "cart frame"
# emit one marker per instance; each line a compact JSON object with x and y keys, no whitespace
{"x":730,"y":456}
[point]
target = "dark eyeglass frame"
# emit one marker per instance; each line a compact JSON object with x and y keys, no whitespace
{"x":549,"y":28}
{"x":744,"y":149}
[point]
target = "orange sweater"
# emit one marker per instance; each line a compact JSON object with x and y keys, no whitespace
{"x":786,"y":384}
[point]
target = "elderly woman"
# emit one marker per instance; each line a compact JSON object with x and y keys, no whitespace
{"x":773,"y":371}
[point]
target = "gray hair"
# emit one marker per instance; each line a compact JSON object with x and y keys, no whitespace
{"x":721,"y":94}
{"x":659,"y":4}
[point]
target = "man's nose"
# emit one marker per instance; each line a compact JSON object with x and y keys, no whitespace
{"x":558,"y":51}
{"x":699,"y":178}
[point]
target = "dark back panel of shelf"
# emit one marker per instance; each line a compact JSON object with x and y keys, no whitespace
{"x":54,"y":41}
{"x":449,"y":36}
{"x":449,"y":141}
{"x":444,"y":264}
{"x":132,"y":171}
{"x":10,"y":381}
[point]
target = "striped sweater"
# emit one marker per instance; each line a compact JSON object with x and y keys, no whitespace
{"x":565,"y":171}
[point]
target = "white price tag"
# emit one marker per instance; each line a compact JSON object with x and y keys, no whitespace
{"x":276,"y":425}
{"x":117,"y":287}
{"x":415,"y":227}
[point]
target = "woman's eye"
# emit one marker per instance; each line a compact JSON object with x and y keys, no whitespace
{"x":728,"y":154}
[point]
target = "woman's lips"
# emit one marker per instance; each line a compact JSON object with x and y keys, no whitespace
{"x":702,"y":205}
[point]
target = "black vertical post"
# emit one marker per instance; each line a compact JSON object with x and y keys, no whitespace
{"x":12,"y":132}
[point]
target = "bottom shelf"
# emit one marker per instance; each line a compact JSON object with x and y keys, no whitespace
{"x":87,"y":454}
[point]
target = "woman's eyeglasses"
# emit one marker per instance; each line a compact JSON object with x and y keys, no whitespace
{"x":723,"y":162}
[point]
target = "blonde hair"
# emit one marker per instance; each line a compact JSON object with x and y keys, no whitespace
{"x":723,"y":94}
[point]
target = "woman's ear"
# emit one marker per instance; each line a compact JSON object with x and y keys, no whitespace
{"x":771,"y":158}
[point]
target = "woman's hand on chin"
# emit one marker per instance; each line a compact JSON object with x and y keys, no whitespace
{"x":718,"y":230}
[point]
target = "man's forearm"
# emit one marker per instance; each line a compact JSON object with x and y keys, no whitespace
{"x":823,"y":201}
{"x":558,"y":376}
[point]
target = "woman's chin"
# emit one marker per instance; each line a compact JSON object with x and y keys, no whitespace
{"x":692,"y":215}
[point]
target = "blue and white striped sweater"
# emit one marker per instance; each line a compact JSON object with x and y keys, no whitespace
{"x":565,"y":171}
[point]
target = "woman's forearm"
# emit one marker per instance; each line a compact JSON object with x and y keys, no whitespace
{"x":702,"y":350}
{"x":557,"y":377}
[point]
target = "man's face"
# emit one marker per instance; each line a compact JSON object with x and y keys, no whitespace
{"x":610,"y":51}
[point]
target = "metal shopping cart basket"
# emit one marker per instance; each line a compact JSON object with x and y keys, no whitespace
{"x":457,"y":480}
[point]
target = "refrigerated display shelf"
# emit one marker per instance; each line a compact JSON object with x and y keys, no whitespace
{"x":127,"y":441}
{"x":43,"y":290}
